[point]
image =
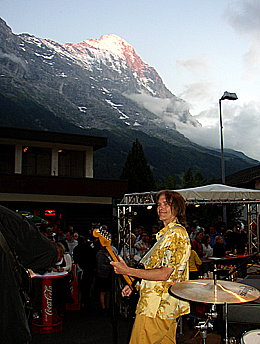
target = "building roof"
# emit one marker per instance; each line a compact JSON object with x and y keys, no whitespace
{"x":97,"y":142}
{"x":243,"y":177}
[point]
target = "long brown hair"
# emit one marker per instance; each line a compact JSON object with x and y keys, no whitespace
{"x":177,"y":203}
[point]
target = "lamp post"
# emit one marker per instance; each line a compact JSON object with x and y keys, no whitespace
{"x":228,"y":96}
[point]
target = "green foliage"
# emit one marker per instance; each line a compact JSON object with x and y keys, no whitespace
{"x":168,"y":183}
{"x":137,"y":170}
{"x":190,"y":180}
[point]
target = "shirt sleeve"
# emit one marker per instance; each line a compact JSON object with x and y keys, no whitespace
{"x":197,"y":259}
{"x":68,"y":262}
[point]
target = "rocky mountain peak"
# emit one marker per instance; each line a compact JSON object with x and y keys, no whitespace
{"x":94,"y":84}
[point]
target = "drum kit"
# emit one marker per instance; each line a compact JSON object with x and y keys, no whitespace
{"x":217,"y":292}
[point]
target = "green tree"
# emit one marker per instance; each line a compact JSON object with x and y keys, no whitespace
{"x":168,"y":183}
{"x":190,"y":180}
{"x":137,"y":171}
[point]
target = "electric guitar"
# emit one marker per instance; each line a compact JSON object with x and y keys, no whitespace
{"x":105,"y":240}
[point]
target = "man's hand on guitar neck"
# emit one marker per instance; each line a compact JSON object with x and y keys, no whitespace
{"x":120,"y":267}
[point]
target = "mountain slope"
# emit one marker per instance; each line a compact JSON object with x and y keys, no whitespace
{"x":101,"y":87}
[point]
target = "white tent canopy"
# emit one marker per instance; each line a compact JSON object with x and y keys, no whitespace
{"x":218,"y":193}
{"x":214,"y":194}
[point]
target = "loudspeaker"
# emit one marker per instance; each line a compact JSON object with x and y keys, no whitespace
{"x":249,"y":312}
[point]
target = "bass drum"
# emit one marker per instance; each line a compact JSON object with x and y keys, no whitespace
{"x":251,"y":337}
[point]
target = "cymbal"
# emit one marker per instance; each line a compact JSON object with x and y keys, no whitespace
{"x":223,"y":292}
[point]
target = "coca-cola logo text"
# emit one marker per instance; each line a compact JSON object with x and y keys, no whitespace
{"x":48,"y":297}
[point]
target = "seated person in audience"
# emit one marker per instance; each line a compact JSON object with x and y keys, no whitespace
{"x":193,"y":230}
{"x":196,"y":244}
{"x":206,"y":247}
{"x":213,"y":234}
{"x":229,"y":240}
{"x":194,"y":261}
{"x":219,"y":248}
{"x":64,"y":262}
{"x":143,"y":245}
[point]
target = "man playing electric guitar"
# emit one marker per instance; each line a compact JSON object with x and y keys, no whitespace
{"x":165,"y":264}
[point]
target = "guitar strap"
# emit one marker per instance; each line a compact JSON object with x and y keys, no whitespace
{"x":146,"y":258}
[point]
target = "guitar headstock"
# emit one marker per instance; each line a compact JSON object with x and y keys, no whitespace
{"x":104,"y":237}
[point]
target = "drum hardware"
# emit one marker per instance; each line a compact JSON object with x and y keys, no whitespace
{"x":214,"y":292}
{"x":251,"y":337}
{"x":203,"y":326}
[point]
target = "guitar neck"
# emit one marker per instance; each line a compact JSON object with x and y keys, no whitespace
{"x":129,"y":280}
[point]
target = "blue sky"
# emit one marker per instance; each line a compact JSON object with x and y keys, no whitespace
{"x":200,"y":48}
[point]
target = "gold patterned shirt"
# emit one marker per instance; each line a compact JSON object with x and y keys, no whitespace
{"x":172,"y":251}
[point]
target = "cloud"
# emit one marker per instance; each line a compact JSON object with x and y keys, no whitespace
{"x":168,"y":110}
{"x":241,"y":123}
{"x":244,"y":16}
{"x":252,"y":59}
{"x":13,"y":58}
{"x":198,"y":91}
{"x":241,"y":128}
{"x":194,"y":65}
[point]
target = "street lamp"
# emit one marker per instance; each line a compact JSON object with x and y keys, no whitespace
{"x":228,"y":96}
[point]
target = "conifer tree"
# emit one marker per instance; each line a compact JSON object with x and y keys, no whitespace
{"x":168,"y":183}
{"x":137,"y":171}
{"x":190,"y":180}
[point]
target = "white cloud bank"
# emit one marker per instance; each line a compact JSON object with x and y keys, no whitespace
{"x":241,"y":119}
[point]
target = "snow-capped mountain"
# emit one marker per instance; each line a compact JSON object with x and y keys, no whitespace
{"x":100,"y":87}
{"x":94,"y":84}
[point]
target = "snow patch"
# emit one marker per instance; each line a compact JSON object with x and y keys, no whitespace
{"x":63,"y":75}
{"x":82,"y":108}
{"x":44,"y":56}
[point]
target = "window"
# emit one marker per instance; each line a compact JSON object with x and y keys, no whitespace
{"x":71,"y":163}
{"x":7,"y":157}
{"x":36,"y":160}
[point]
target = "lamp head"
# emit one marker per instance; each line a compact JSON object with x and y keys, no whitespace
{"x":229,"y":96}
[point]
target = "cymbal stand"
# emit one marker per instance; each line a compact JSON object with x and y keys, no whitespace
{"x":203,"y":326}
{"x":225,"y":340}
{"x":226,"y":323}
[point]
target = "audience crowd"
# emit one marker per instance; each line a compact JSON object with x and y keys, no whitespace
{"x":92,"y":261}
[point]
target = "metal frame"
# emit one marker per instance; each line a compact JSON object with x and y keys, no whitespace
{"x":125,"y":212}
